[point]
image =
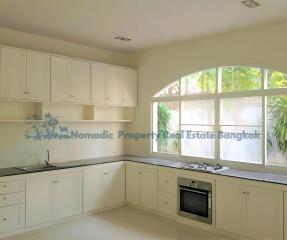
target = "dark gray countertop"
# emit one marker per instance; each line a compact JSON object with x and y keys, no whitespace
{"x":257,"y":176}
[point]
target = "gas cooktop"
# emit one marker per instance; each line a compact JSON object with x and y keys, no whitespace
{"x":203,"y":167}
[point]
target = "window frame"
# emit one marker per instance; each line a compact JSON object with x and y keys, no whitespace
{"x":263,"y":92}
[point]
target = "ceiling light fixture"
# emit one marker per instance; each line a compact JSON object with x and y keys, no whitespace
{"x":251,"y":3}
{"x":123,"y":38}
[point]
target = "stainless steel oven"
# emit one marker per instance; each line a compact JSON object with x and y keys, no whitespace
{"x":195,"y":200}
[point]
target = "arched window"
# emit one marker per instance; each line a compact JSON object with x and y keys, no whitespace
{"x":233,"y":113}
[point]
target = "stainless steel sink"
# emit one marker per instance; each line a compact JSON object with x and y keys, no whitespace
{"x":38,"y":168}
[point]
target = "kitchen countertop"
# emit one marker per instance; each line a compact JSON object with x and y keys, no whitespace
{"x":251,"y":175}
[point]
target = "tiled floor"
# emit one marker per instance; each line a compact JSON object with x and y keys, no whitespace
{"x":119,"y":224}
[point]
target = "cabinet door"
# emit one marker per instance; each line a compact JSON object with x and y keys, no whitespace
{"x":38,"y":76}
{"x":230,"y":209}
{"x":167,"y":182}
{"x":12,"y":218}
{"x":114,"y":86}
{"x":130,"y":88}
{"x":79,"y":82}
{"x":114,"y":179}
{"x":38,"y":196}
{"x":60,"y":75}
{"x":149,"y":188}
{"x":66,"y":195}
{"x":93,"y":189}
{"x":13,"y":73}
{"x":99,"y":78}
{"x":133,"y":185}
{"x":265,"y":213}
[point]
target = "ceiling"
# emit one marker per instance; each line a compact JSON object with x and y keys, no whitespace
{"x":148,"y":23}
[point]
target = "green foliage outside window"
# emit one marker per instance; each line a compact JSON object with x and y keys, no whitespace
{"x":240,"y":79}
{"x":278,"y":110}
{"x":164,"y":117}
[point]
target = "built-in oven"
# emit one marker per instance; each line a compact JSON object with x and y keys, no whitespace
{"x":195,"y":200}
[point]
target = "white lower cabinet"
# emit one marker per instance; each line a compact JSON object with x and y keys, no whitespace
{"x":250,"y":211}
{"x":104,"y":186}
{"x":52,"y":197}
{"x":12,"y":217}
{"x":167,"y":192}
{"x":167,"y":203}
{"x":141,"y":186}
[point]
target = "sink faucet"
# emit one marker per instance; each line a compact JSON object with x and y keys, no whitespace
{"x":47,"y":161}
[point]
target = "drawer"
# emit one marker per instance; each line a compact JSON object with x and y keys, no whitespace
{"x":12,"y":187}
{"x":167,"y":182}
{"x":12,"y":199}
{"x":167,"y":203}
{"x":12,"y":218}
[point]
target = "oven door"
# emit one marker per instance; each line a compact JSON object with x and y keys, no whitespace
{"x":195,"y":203}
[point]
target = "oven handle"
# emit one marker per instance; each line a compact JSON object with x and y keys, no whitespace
{"x":190,"y":190}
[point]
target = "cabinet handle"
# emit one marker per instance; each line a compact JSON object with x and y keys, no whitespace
{"x":28,"y":93}
{"x":57,"y":181}
{"x":4,"y":219}
{"x":106,"y":173}
{"x":166,"y":182}
{"x":166,"y":203}
{"x":71,"y":95}
{"x":4,"y":186}
{"x":4,"y":198}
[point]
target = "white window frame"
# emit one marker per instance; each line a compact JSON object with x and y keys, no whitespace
{"x":263,"y":92}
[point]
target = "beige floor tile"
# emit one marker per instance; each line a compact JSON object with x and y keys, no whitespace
{"x":119,"y":224}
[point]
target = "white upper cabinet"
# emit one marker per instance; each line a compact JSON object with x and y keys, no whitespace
{"x":80,"y":81}
{"x":25,"y":75}
{"x":60,"y":71}
{"x":98,"y":83}
{"x":70,"y":80}
{"x":13,"y":73}
{"x":34,"y":76}
{"x":38,"y":76}
{"x":114,"y":86}
{"x":130,"y":88}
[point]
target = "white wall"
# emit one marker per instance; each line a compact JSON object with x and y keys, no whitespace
{"x":259,"y":46}
{"x":15,"y":150}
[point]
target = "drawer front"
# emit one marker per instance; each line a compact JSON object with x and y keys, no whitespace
{"x":12,"y":187}
{"x":12,"y":199}
{"x":12,"y":218}
{"x":167,"y":203}
{"x":167,"y":182}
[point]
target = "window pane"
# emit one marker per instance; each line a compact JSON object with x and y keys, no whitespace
{"x":198,"y":112}
{"x":235,"y":147}
{"x":277,"y":79}
{"x":199,"y":82}
{"x":240,"y":79}
{"x":241,"y":111}
{"x":198,"y":141}
{"x":166,"y":125}
{"x":170,"y":90}
{"x":277,"y":130}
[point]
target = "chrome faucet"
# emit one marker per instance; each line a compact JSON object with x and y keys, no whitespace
{"x":47,"y":161}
